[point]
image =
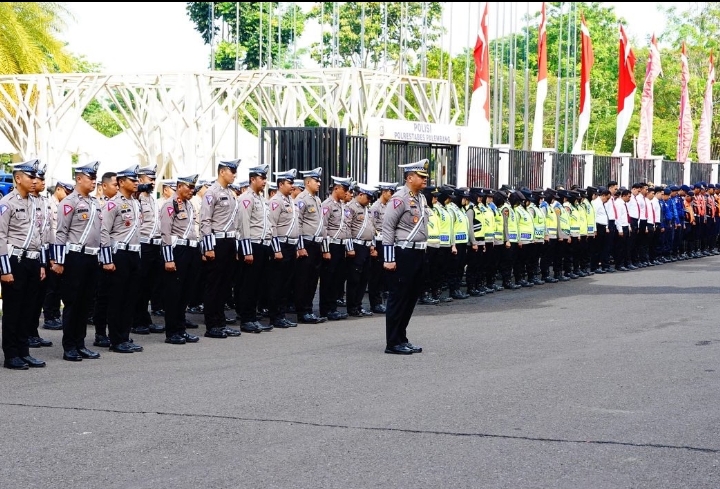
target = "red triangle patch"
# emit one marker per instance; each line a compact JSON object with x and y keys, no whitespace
{"x":246,"y":203}
{"x":110,"y":206}
{"x":67,"y":209}
{"x":325,"y":210}
{"x":275,"y":205}
{"x":170,"y":211}
{"x":396,"y":203}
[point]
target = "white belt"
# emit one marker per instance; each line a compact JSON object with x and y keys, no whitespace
{"x":412,"y":245}
{"x":46,"y":246}
{"x":155,"y":241}
{"x":229,"y":234}
{"x":30,"y":255}
{"x":187,"y":242}
{"x":285,"y":239}
{"x":361,"y":242}
{"x":128,"y":247}
{"x":336,"y":241}
{"x":265,"y":242}
{"x":314,"y":239}
{"x":83,"y":249}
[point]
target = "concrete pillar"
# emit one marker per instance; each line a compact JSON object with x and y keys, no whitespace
{"x":462,"y":165}
{"x":714,"y":172}
{"x":504,"y":169}
{"x":686,"y":172}
{"x":547,"y":168}
{"x":589,"y":168}
{"x":657,"y":170}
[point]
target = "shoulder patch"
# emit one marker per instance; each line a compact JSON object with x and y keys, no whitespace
{"x":209,"y":198}
{"x":325,"y":210}
{"x":111,"y":206}
{"x":3,"y":208}
{"x":246,"y":203}
{"x":397,"y":203}
{"x":274,"y":205}
{"x":170,"y":211}
{"x":67,"y":209}
{"x":300,"y":204}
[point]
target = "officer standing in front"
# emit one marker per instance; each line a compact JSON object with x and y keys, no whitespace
{"x":20,"y":266}
{"x":120,"y":258}
{"x":77,"y":244}
{"x":182,"y":259}
{"x":218,"y":224}
{"x":404,"y":242}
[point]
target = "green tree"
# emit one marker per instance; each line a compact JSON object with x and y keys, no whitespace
{"x":405,"y":21}
{"x":236,"y":30}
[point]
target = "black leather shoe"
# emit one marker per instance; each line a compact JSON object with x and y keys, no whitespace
{"x":341,"y":302}
{"x":190,"y":338}
{"x":289,"y":323}
{"x":230,"y":320}
{"x":33,"y":342}
{"x":399,"y":350}
{"x":156,"y":328}
{"x":311,"y":319}
{"x":414,"y":348}
{"x":123,"y":348}
{"x":428,"y":300}
{"x":458,"y":295}
{"x":33,"y":362}
{"x":191,"y":325}
{"x":359,"y":313}
{"x":442,"y":299}
{"x":45,"y":343}
{"x":249,"y":327}
{"x":215,"y":333}
{"x":158,"y":312}
{"x":72,"y":356}
{"x":101,"y":341}
{"x":140,"y":330}
{"x":52,"y":324}
{"x":551,"y":280}
{"x":231,"y":331}
{"x":538,"y":281}
{"x":196,"y":310}
{"x":279,"y":323}
{"x":600,"y":271}
{"x":379,"y":309}
{"x":89,"y":354}
{"x":15,"y":363}
{"x":336,"y":316}
{"x":525,"y":283}
{"x":263,"y":327}
{"x":175,"y":339}
{"x":475,"y":293}
{"x":623,"y":269}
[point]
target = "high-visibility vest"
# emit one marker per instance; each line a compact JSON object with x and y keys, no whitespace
{"x":572,"y":219}
{"x":564,"y":219}
{"x":488,"y":223}
{"x":445,"y":224}
{"x":433,"y":228}
{"x":499,"y":226}
{"x":539,"y":223}
{"x":582,"y":219}
{"x":512,"y":223}
{"x":551,"y":221}
{"x":526,"y":230}
{"x":590,"y":211}
{"x":460,"y":224}
{"x":478,"y":219}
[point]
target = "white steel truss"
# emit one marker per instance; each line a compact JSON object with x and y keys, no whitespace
{"x":179,"y":120}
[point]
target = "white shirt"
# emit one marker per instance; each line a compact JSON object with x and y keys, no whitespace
{"x":610,"y":210}
{"x":655,"y":202}
{"x":622,"y":210}
{"x":601,"y":216}
{"x":642,"y":202}
{"x":634,"y":206}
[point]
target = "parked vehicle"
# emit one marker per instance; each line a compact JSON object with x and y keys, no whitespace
{"x":6,"y":183}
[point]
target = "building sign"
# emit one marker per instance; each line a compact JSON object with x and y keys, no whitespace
{"x":421,"y":132}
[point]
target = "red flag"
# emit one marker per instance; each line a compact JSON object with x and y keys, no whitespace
{"x":479,"y":114}
{"x":653,"y":70}
{"x":626,"y":88}
{"x":685,"y":128}
{"x":586,"y":63}
{"x":537,"y":136}
{"x":703,"y":144}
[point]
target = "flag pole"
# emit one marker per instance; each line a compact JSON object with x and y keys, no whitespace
{"x":496,"y":82}
{"x":559,"y":82}
{"x":567,"y":82}
{"x":526,"y":116}
{"x":467,"y":68}
{"x":575,"y":85}
{"x":502,"y":75}
{"x":511,"y":76}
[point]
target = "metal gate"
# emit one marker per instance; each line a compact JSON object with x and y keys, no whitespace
{"x":306,"y":148}
{"x":672,"y":172}
{"x":568,"y":170}
{"x":641,"y":170}
{"x":526,"y":169}
{"x":443,"y":160}
{"x":700,"y":172}
{"x":483,"y":167}
{"x":606,"y":169}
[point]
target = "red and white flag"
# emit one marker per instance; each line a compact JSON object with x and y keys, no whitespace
{"x":703,"y":144}
{"x":479,"y":115}
{"x":626,"y":88}
{"x":685,"y":128}
{"x":653,"y":70}
{"x":586,"y":63}
{"x":542,"y":88}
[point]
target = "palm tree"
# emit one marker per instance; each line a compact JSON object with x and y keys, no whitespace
{"x":27,"y":38}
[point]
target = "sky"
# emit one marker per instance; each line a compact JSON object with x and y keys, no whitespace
{"x":154,"y":37}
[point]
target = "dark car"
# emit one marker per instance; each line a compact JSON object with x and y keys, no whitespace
{"x":6,"y":183}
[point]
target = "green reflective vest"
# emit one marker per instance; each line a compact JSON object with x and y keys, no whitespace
{"x":582,"y":219}
{"x":590,"y":211}
{"x":445,"y":224}
{"x":512,"y":222}
{"x":460,"y":224}
{"x":526,"y":230}
{"x":433,"y":228}
{"x":478,"y":219}
{"x":572,"y":219}
{"x":539,"y":223}
{"x":488,"y":223}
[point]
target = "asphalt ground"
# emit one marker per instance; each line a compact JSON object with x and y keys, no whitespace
{"x":610,"y":381}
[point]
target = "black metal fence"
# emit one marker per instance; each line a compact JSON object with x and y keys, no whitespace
{"x":672,"y":173}
{"x":568,"y":170}
{"x":700,"y":172}
{"x":641,"y":170}
{"x":355,"y":150}
{"x":606,"y":169}
{"x":483,"y":167}
{"x":526,"y":169}
{"x":443,"y":160}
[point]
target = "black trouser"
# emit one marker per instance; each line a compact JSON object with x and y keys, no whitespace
{"x":37,"y":308}
{"x":474,"y":266}
{"x":441,"y":274}
{"x":358,"y":267}
{"x":548,"y":258}
{"x":18,"y":307}
{"x":457,"y":267}
{"x":123,"y":292}
{"x":652,"y":241}
{"x":532,"y":258}
{"x":51,"y":304}
{"x":218,"y":277}
{"x":282,"y":278}
{"x":612,"y":236}
{"x":580,"y":256}
{"x":506,"y":257}
{"x":600,"y":257}
{"x":332,"y":277}
{"x":253,"y":275}
{"x":494,"y":251}
{"x":569,"y":252}
{"x":376,"y":282}
{"x":78,"y":286}
{"x":177,"y":287}
{"x":621,"y":247}
{"x":521,"y":261}
{"x":100,"y":302}
{"x":404,"y":286}
{"x":633,"y":241}
{"x":307,"y":272}
{"x":642,"y":241}
{"x":197,"y":287}
{"x":151,"y":270}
